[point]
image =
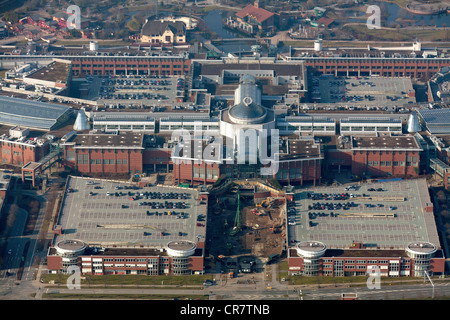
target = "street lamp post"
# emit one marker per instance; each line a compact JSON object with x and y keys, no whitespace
{"x":431,"y":281}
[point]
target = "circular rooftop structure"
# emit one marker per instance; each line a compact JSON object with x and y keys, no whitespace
{"x":70,"y":247}
{"x":420,"y":248}
{"x":181,"y":248}
{"x":311,"y":249}
{"x":247,"y":112}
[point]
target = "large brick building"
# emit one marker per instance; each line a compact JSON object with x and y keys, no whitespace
{"x":376,"y":156}
{"x":17,"y":148}
{"x":314,"y":258}
{"x":179,"y":258}
{"x":126,"y":65}
{"x":383,"y":67}
{"x":105,"y":153}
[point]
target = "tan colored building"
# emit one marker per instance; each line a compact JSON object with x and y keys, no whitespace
{"x":163,"y":32}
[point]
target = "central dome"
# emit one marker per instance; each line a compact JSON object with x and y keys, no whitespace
{"x":247,"y":111}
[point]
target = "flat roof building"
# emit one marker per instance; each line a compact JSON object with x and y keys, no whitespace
{"x":120,"y":228}
{"x":56,"y":75}
{"x":341,"y":232}
{"x":435,"y":121}
{"x":100,"y":153}
{"x":376,"y":156}
{"x":33,"y":114}
{"x":370,"y":125}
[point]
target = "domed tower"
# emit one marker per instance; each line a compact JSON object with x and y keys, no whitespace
{"x":247,"y":116}
{"x":247,"y":112}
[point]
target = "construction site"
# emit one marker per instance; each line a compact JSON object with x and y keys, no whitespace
{"x":246,"y":224}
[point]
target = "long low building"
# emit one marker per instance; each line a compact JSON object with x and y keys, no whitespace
{"x":435,"y":121}
{"x":116,"y":153}
{"x":123,"y":121}
{"x":370,"y":125}
{"x":33,"y":114}
{"x":111,"y":227}
{"x":376,"y":156}
{"x":387,"y":225}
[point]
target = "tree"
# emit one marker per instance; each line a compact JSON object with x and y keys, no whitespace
{"x":74,"y":34}
{"x":134,"y":24}
{"x":11,"y":16}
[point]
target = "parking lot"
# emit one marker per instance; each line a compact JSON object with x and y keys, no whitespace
{"x":364,"y":90}
{"x":387,"y":214}
{"x":136,"y":91}
{"x":108,"y":213}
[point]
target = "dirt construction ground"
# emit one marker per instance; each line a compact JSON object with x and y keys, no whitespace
{"x":262,"y":229}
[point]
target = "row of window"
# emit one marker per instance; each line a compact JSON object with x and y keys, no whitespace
{"x":308,"y":128}
{"x":389,"y":163}
{"x":363,"y":128}
{"x":82,"y":159}
{"x":165,"y":66}
{"x":210,"y":173}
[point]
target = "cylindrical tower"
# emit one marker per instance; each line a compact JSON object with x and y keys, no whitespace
{"x":93,"y":46}
{"x":311,"y":251}
{"x":70,"y":250}
{"x":318,"y":45}
{"x":421,"y":252}
{"x":180,"y":251}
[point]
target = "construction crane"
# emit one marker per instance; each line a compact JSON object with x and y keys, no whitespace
{"x":237,"y":223}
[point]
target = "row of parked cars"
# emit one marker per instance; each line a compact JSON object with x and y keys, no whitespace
{"x":165,"y":205}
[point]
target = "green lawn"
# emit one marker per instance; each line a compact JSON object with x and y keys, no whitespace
{"x":363,"y":33}
{"x":130,"y":280}
{"x":107,"y":296}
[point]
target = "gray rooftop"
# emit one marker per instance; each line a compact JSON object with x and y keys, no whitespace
{"x":30,"y":113}
{"x":99,"y":219}
{"x":436,"y":120}
{"x":375,"y":226}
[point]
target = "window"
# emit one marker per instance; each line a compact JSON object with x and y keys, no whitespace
{"x":361,"y":261}
{"x":196,"y":172}
{"x":360,"y":267}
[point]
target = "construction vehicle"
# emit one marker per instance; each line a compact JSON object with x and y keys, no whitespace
{"x":257,"y":212}
{"x":263,"y":203}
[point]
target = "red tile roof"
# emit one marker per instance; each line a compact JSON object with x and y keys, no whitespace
{"x":258,"y":13}
{"x":326,"y":21}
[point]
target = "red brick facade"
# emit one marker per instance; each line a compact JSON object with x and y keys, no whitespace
{"x":157,"y":66}
{"x":20,"y":154}
{"x":384,"y":67}
{"x":357,"y":262}
{"x":385,"y":163}
{"x":106,"y":160}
